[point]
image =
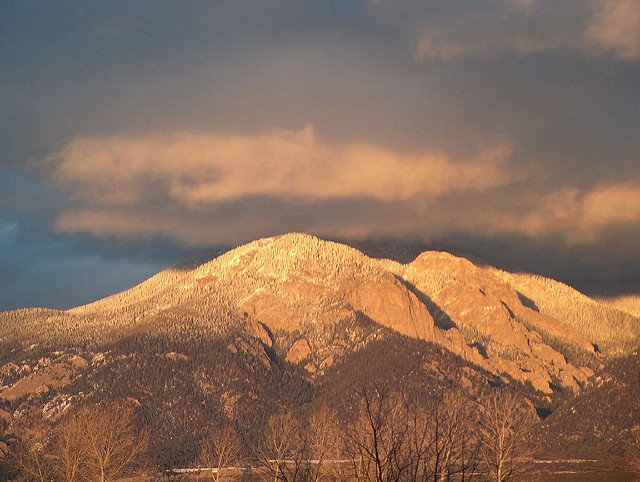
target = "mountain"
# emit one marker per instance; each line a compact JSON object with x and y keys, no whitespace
{"x":613,"y":329}
{"x":283,"y":321}
{"x":628,"y":303}
{"x":602,"y":419}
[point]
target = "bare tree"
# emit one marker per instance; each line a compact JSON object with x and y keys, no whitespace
{"x":281,"y":449}
{"x":30,"y":459}
{"x":322,"y":443}
{"x":29,"y":452}
{"x":505,"y":427}
{"x":440,"y":441}
{"x":115,"y":446}
{"x":220,"y":449}
{"x":94,"y":443}
{"x":375,"y":441}
{"x":69,"y":451}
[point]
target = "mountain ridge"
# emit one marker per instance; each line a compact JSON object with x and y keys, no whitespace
{"x":279,"y":320}
{"x":288,"y":281}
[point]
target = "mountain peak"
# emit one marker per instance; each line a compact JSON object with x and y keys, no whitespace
{"x":289,"y":253}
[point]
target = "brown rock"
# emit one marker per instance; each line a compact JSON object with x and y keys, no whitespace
{"x":299,"y":351}
{"x":327,"y":362}
{"x":466,"y":383}
{"x":587,"y":372}
{"x":387,"y":302}
{"x":548,"y":354}
{"x":79,"y":362}
{"x":459,"y":346}
{"x":539,"y":379}
{"x":54,"y":376}
{"x":274,"y":311}
{"x":254,"y":349}
{"x":257,"y":330}
{"x":568,"y":379}
{"x":449,"y":269}
{"x":6,"y":416}
{"x":476,"y":298}
{"x":468,"y":306}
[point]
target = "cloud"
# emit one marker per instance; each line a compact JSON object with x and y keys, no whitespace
{"x":204,"y":188}
{"x":616,"y":28}
{"x":523,"y":27}
{"x":498,"y":28}
{"x":242,"y":186}
{"x":234,"y":223}
{"x":581,"y":216}
{"x":612,"y":203}
{"x":201,"y":169}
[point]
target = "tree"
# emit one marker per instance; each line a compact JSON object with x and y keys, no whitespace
{"x":505,"y":426}
{"x":440,"y":439}
{"x":95,"y":442}
{"x":28,"y":454}
{"x":68,"y":448}
{"x":397,"y":437}
{"x":322,"y":442}
{"x":30,"y":460}
{"x":375,"y":441}
{"x":114,"y":445}
{"x":220,"y":449}
{"x":281,"y":449}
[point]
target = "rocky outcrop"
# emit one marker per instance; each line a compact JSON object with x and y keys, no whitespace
{"x":326,"y":293}
{"x":299,"y":351}
{"x":515,"y":339}
{"x":50,"y":376}
{"x":387,"y":302}
{"x":257,"y":330}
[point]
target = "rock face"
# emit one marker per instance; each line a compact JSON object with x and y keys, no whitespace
{"x":257,"y":330}
{"x":515,"y":339}
{"x":389,"y":303}
{"x":613,"y":329}
{"x":299,"y":351}
{"x":310,"y":289}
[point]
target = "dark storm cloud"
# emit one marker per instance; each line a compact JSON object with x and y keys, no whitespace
{"x":199,"y":123}
{"x":38,"y":269}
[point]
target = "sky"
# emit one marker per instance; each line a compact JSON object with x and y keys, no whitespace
{"x":136,"y":134}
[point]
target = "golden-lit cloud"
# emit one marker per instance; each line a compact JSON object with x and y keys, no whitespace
{"x":619,"y":203}
{"x":523,"y":27}
{"x":193,"y":188}
{"x":197,"y":170}
{"x":580,"y":215}
{"x":196,"y":187}
{"x":616,"y":28}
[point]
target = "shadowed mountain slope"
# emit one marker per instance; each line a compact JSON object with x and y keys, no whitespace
{"x":602,"y":420}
